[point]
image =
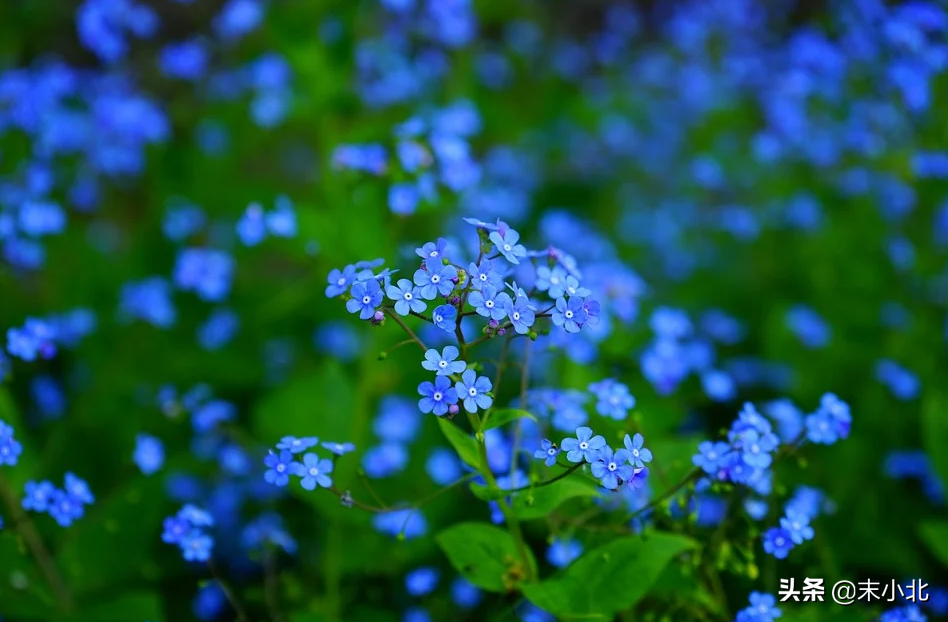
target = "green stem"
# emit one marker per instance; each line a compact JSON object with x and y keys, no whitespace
{"x":512,"y":523}
{"x":228,"y":593}
{"x":411,"y":334}
{"x":24,"y":526}
{"x":553,"y":480}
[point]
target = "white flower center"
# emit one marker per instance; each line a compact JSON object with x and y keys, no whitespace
{"x":341,"y":282}
{"x":472,"y":392}
{"x":437,"y":396}
{"x":551,"y":451}
{"x":554,"y":280}
{"x":755,"y":448}
{"x":583,"y":445}
{"x":635,"y":452}
{"x":712,"y":455}
{"x":779,"y":541}
{"x":407,"y":296}
{"x":314,"y":472}
{"x":516,"y":315}
{"x":482,"y":276}
{"x":571,"y":290}
{"x":435,"y":279}
{"x":438,"y":319}
{"x":489,"y":304}
{"x":507,"y":247}
{"x":433,"y":254}
{"x":366,"y":300}
{"x":568,"y":314}
{"x":613,"y":466}
{"x":280,"y":468}
{"x":443,"y":364}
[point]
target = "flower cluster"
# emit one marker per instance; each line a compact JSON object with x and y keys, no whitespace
{"x":763,"y":608}
{"x":10,"y":448}
{"x":187,"y":529}
{"x":312,"y":470}
{"x":65,"y":505}
{"x":613,"y":468}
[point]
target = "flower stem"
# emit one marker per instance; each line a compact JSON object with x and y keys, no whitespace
{"x":407,"y":330}
{"x":228,"y":593}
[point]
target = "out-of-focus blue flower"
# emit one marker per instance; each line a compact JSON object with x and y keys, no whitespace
{"x":149,"y":454}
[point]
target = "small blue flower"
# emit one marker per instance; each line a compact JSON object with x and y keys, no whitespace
{"x":422,"y":581}
{"x":297,"y":445}
{"x":798,"y":526}
{"x":407,"y":297}
{"x":521,"y":314}
{"x":563,"y":552}
{"x":569,"y":314}
{"x":366,"y":297}
{"x":473,"y":389}
{"x":435,"y":279}
{"x":339,"y":449}
{"x":484,"y":274}
{"x":778,"y":542}
{"x":314,"y":471}
{"x":37,"y":496}
{"x":77,"y":489}
{"x":64,"y":508}
{"x":196,"y":546}
{"x":444,"y":364}
{"x":613,"y":398}
{"x":340,"y":280}
{"x":506,"y":244}
{"x":437,"y":396}
{"x":445,"y":317}
{"x":763,"y":608}
{"x":711,"y":456}
{"x":488,"y":303}
{"x":584,"y":447}
{"x":548,"y":452}
{"x":433,"y":250}
{"x":551,"y":280}
{"x":149,"y":455}
{"x":612,"y":467}
{"x":280,"y":466}
{"x":638,"y":455}
{"x":10,"y":448}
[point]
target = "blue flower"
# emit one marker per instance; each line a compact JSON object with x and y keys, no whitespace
{"x":64,"y":508}
{"x":314,"y":471}
{"x":611,"y":468}
{"x":551,"y":280}
{"x":435,"y":278}
{"x":778,"y":542}
{"x":297,"y":445}
{"x":445,"y":317}
{"x":756,"y":448}
{"x":340,"y":280}
{"x":484,"y":274}
{"x":443,"y":466}
{"x":432,"y":250}
{"x":422,"y":581}
{"x":196,"y":546}
{"x":437,"y":396}
{"x":711,"y":456}
{"x":638,"y":455}
{"x":614,"y":399}
{"x":465,"y":594}
{"x":563,"y":552}
{"x":473,"y":389}
{"x":207,"y":272}
{"x":548,"y":452}
{"x":521,"y":314}
{"x":280,"y":466}
{"x":444,"y":364}
{"x":506,"y":244}
{"x":366,"y":297}
{"x":798,"y":526}
{"x":339,"y":449}
{"x":10,"y":448}
{"x":77,"y":489}
{"x":252,"y":226}
{"x":36,"y":338}
{"x":488,"y":303}
{"x":406,"y":296}
{"x":37,"y":496}
{"x":584,"y":447}
{"x":569,"y":314}
{"x":149,"y":454}
{"x":763,"y":608}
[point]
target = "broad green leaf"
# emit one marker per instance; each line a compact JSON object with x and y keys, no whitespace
{"x":934,"y":433}
{"x":114,"y":542}
{"x":539,"y":502}
{"x":122,"y":608}
{"x":610,"y":578}
{"x":935,"y":535}
{"x":485,"y":555}
{"x":462,"y":442}
{"x":504,"y":416}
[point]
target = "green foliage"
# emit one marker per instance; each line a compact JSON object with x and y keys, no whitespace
{"x":610,"y":578}
{"x":935,"y":536}
{"x":463,"y":443}
{"x":485,"y":555}
{"x":502,"y":416}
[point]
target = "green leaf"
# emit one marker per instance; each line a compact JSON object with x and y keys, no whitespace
{"x":610,"y":578}
{"x":504,"y":416}
{"x":934,"y":433}
{"x":935,"y":535}
{"x":485,"y":555}
{"x":540,"y":502}
{"x":462,"y":442}
{"x":129,"y":522}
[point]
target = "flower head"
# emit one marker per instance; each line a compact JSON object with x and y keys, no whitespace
{"x":584,"y":447}
{"x":473,"y":391}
